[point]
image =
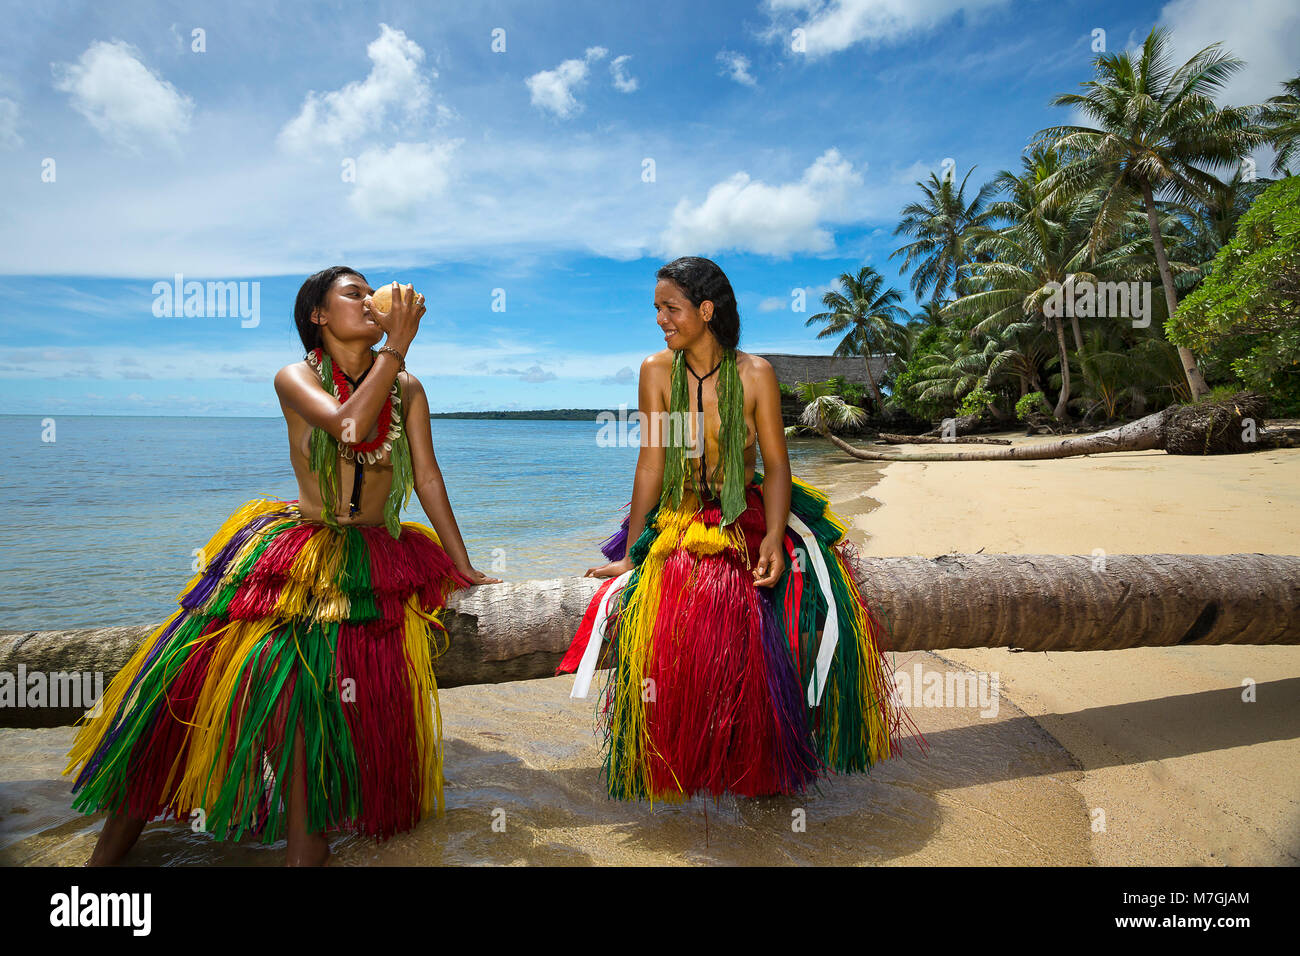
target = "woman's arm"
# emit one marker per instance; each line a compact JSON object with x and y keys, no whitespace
{"x":299,"y":387}
{"x":776,"y":473}
{"x":429,"y":486}
{"x":649,"y":479}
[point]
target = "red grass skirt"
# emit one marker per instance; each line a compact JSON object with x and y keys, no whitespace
{"x":289,"y":624}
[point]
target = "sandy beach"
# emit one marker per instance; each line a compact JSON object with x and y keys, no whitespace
{"x":1180,"y":768}
{"x":1141,"y":757}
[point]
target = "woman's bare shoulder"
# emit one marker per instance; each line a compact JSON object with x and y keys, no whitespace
{"x":658,"y":361}
{"x":294,"y":373}
{"x":755,"y":370}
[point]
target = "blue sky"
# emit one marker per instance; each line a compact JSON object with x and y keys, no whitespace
{"x":523,"y":170}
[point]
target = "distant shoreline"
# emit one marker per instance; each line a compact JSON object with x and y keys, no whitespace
{"x":539,"y":414}
{"x":532,"y":414}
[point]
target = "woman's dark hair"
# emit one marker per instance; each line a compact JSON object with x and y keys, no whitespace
{"x":701,"y":279}
{"x":310,"y":297}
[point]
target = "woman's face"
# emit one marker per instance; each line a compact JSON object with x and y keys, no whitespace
{"x":682,"y":322}
{"x":346,"y":311}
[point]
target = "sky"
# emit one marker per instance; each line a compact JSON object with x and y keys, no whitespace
{"x":528,"y":166}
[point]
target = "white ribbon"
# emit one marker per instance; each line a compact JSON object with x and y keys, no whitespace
{"x":825,"y":650}
{"x":831,"y":632}
{"x":587,"y":669}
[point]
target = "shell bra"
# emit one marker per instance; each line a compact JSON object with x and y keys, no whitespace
{"x":326,"y":449}
{"x":731,"y":437}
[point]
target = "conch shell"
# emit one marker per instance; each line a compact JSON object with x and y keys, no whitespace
{"x":382,"y":298}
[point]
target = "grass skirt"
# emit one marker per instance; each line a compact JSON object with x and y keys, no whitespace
{"x":714,"y":684}
{"x":288,"y":623}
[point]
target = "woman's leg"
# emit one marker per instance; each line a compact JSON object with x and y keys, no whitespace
{"x":116,"y":839}
{"x":305,"y":848}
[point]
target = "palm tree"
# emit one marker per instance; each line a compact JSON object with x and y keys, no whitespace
{"x":930,"y":315}
{"x":867,"y":316}
{"x":1033,"y":260}
{"x":1020,"y":350}
{"x":946,"y":375}
{"x":1280,"y":116}
{"x":824,"y":409}
{"x":941,"y":227}
{"x":1154,"y":130}
{"x":1211,"y":224}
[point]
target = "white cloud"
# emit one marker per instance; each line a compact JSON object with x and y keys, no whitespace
{"x":749,"y":215}
{"x":1264,"y":33}
{"x":536,"y":375}
{"x":126,"y":102}
{"x":553,"y":89}
{"x":622,"y":82}
{"x":736,"y":66}
{"x":396,"y":82}
{"x":399,"y":181}
{"x":830,"y":26}
{"x":624,"y":376}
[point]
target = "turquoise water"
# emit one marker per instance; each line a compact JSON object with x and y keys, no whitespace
{"x":102,"y":523}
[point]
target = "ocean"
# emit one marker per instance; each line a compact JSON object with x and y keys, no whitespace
{"x":104,"y":520}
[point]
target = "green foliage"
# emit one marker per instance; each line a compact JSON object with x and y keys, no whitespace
{"x":1246,"y":314}
{"x":976,"y":400}
{"x":906,"y":393}
{"x":851,"y":392}
{"x":825,"y":410}
{"x":1033,"y":402}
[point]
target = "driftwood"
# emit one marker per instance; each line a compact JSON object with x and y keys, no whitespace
{"x":517,"y":631}
{"x":960,"y":425}
{"x":1225,"y":427}
{"x":886,"y":438}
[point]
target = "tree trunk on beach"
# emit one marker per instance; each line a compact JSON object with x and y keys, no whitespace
{"x":961,"y":425}
{"x":1195,"y":380}
{"x":518,"y":631}
{"x":875,"y":389}
{"x":1203,"y":429}
{"x":1062,"y":412}
{"x":885,"y":438}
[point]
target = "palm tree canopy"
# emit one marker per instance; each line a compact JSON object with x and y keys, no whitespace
{"x":1155,"y":129}
{"x":869,"y":316}
{"x":940,"y":226}
{"x":1280,"y":116}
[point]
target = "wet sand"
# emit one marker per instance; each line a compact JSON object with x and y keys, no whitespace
{"x":991,"y":790}
{"x":1182,"y":770}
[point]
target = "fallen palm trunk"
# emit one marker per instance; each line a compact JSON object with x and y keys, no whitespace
{"x":1209,"y":428}
{"x":885,"y":438}
{"x":960,"y":425}
{"x":1036,"y":602}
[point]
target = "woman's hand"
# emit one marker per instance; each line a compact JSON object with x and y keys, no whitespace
{"x":477,"y":577}
{"x":771,"y":562}
{"x":403,"y":320}
{"x":611,"y":570}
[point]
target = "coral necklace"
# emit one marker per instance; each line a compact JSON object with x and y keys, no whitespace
{"x":389,"y":425}
{"x":325,"y":449}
